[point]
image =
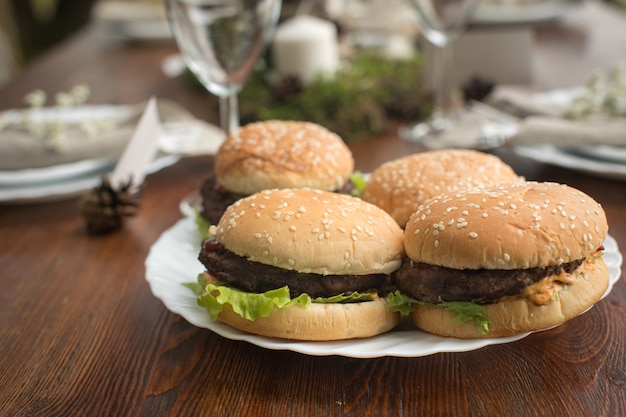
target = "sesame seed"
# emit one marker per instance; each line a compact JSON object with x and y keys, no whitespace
{"x":258,"y":235}
{"x":292,"y":228}
{"x":436,"y":243}
{"x":270,"y":239}
{"x":473,"y":235}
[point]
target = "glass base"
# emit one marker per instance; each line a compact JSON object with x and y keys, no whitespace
{"x":427,"y":130}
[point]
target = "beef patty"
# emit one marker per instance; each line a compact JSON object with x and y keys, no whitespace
{"x":216,"y":199}
{"x":237,"y":271}
{"x":430,"y":283}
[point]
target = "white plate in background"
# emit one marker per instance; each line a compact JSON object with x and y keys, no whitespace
{"x":552,"y":155}
{"x":527,"y":13}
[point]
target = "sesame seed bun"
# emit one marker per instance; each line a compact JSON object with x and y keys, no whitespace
{"x":401,"y":185}
{"x":523,"y":228}
{"x":312,"y":231}
{"x":283,"y":154}
{"x":508,"y":226}
{"x":321,"y":234}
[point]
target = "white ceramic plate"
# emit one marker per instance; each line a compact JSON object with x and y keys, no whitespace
{"x":69,"y":186}
{"x":172,"y":261}
{"x":37,"y":176}
{"x":188,"y":137}
{"x":489,"y":13}
{"x":601,"y":152}
{"x":553,"y":155}
{"x":131,"y":20}
{"x":21,"y":177}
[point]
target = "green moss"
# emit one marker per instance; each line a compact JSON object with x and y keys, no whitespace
{"x":357,"y":103}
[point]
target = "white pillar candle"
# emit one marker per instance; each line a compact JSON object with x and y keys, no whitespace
{"x":306,"y":47}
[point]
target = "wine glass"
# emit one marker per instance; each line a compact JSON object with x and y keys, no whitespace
{"x":220,"y":41}
{"x":441,"y":23}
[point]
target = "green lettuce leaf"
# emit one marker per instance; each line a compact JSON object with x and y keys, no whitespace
{"x":466,"y":311}
{"x":252,"y":306}
{"x":463,"y":311}
{"x":202,"y":224}
{"x":354,"y":297}
{"x":358,"y":181}
{"x":400,"y":302}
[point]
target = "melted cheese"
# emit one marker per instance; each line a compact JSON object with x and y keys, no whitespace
{"x":542,"y":292}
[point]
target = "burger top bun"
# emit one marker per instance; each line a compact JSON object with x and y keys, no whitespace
{"x":508,"y":226}
{"x":283,"y":154}
{"x":312,"y":231}
{"x":401,"y":185}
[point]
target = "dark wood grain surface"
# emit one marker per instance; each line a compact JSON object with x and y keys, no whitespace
{"x":82,"y":335}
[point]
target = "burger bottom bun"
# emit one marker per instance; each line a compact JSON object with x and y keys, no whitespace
{"x":319,"y":322}
{"x":515,"y":315}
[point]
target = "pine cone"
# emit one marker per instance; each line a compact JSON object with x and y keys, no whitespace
{"x":477,"y":89}
{"x":105,"y":208}
{"x":286,"y":88}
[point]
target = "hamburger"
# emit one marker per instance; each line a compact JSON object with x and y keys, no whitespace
{"x":401,"y":185}
{"x":503,"y":260}
{"x":301,"y":264}
{"x":275,"y":154}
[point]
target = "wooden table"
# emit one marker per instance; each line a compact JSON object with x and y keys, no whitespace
{"x":81,"y":333}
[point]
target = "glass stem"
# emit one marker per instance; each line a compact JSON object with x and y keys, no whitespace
{"x":442,"y":71}
{"x":229,"y":113}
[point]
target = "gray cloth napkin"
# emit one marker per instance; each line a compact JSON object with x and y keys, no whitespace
{"x":542,"y":120}
{"x":20,"y":149}
{"x":537,"y":130}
